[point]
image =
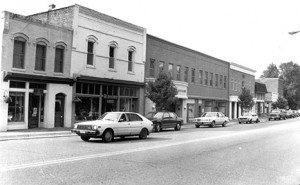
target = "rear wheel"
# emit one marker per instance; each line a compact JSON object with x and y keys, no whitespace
{"x":250,"y":121}
{"x":85,"y":138}
{"x":197,"y":126}
{"x":108,"y":136}
{"x":178,"y":126}
{"x":257,"y":120}
{"x":212,"y":125}
{"x":224,"y":124}
{"x":157,"y":127}
{"x":143,"y":134}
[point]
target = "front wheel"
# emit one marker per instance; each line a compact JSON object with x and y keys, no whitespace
{"x":108,"y":136}
{"x":143,"y":134}
{"x":257,"y":121}
{"x":197,"y":126}
{"x":85,"y":138}
{"x":178,"y":126}
{"x":212,"y":125}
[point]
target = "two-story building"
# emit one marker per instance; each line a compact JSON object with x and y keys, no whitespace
{"x":108,"y":61}
{"x":260,"y":98}
{"x":35,"y":74}
{"x":201,"y":80}
{"x":240,"y":77}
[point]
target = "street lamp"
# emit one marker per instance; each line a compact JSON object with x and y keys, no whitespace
{"x":294,"y":32}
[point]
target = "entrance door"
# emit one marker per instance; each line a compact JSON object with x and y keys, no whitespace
{"x":34,"y":111}
{"x":59,"y":110}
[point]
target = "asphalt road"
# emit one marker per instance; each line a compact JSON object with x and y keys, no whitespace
{"x":254,"y":154}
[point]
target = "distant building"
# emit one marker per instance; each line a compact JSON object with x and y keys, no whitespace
{"x":240,"y":77}
{"x":261,"y":106}
{"x":274,"y":87}
{"x":201,"y":80}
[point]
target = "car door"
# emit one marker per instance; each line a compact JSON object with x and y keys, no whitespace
{"x":173,"y":119}
{"x":165,"y":122}
{"x":136,"y":123}
{"x":219,"y":118}
{"x":123,"y":126}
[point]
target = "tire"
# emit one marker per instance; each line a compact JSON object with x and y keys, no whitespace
{"x":250,"y":121}
{"x":212,"y":125}
{"x":197,"y":126}
{"x":284,"y":118}
{"x":240,"y":122}
{"x":108,"y":136}
{"x":158,"y":127}
{"x":256,"y":121}
{"x":224,"y":124}
{"x":269,"y":119}
{"x":85,"y":138}
{"x":143,"y":134}
{"x":178,"y":126}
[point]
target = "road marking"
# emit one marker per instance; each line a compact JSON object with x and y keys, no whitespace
{"x":109,"y":154}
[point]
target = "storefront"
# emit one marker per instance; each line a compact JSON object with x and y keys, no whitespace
{"x":92,"y":99}
{"x":30,"y":101}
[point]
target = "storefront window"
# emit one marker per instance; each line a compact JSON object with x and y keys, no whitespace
{"x":208,"y":106}
{"x":87,"y":109}
{"x":16,"y":107}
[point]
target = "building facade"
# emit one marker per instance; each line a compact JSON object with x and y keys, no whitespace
{"x":108,"y":61}
{"x":261,"y":105}
{"x":201,"y":80}
{"x":35,"y":74}
{"x":240,"y":77}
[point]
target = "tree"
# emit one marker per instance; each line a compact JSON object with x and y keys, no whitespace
{"x":246,"y":99}
{"x":281,"y":103}
{"x":290,"y":73}
{"x":162,"y":92}
{"x":271,"y":72}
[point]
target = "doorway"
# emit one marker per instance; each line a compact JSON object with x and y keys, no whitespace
{"x":36,"y":110}
{"x":59,"y":110}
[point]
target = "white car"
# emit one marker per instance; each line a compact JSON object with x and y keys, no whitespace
{"x":114,"y":124}
{"x":211,"y":119}
{"x":248,"y":118}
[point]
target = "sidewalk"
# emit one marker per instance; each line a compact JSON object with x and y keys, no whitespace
{"x":66,"y":132}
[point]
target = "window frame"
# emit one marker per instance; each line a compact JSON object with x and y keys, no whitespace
{"x":152,"y":68}
{"x":40,"y":61}
{"x":178,"y":72}
{"x":186,"y":74}
{"x":61,"y":61}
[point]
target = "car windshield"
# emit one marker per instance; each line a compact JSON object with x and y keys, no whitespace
{"x":110,"y":116}
{"x":150,"y":114}
{"x":208,"y":114}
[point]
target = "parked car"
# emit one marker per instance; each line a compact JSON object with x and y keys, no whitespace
{"x":248,"y":117}
{"x":290,"y":114}
{"x":211,"y":119}
{"x":277,"y":114}
{"x":114,"y":124}
{"x":162,"y":120}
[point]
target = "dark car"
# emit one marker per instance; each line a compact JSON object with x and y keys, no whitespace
{"x":162,"y":120}
{"x":278,"y":114}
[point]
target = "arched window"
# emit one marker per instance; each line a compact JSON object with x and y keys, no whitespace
{"x":112,"y":54}
{"x":91,"y":40}
{"x":40,"y":54}
{"x":19,"y":51}
{"x":59,"y":59}
{"x":131,"y":52}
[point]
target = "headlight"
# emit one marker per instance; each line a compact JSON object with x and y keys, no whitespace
{"x":95,"y":127}
{"x":75,"y":126}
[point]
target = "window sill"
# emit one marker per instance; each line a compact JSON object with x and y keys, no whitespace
{"x":40,"y":72}
{"x":131,"y":73}
{"x":58,"y":74}
{"x":18,"y":69}
{"x":90,"y":66}
{"x":112,"y":70}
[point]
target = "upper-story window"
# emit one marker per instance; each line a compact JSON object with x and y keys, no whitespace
{"x":59,"y":59}
{"x":243,"y":84}
{"x":130,"y":60}
{"x":225,"y":82}
{"x":221,"y":81}
{"x":19,"y":52}
{"x":216,"y":80}
{"x":171,"y":70}
{"x":90,"y":52}
{"x":178,"y":73}
{"x":193,"y":76}
{"x":200,"y":77}
{"x":186,"y":73}
{"x":112,"y":55}
{"x":161,"y":66}
{"x":211,"y":79}
{"x":206,"y":78}
{"x":232,"y":84}
{"x":40,"y":56}
{"x":152,"y":67}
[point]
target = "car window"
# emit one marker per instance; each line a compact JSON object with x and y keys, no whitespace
{"x":172,"y":115}
{"x":158,"y":115}
{"x":166,"y":115}
{"x":134,"y":117}
{"x":221,"y":114}
{"x":110,"y":116}
{"x":123,"y":117}
{"x":208,"y":114}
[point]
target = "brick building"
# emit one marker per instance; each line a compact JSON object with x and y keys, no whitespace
{"x":35,"y":74}
{"x":260,"y":98}
{"x":201,"y":80}
{"x":240,"y":77}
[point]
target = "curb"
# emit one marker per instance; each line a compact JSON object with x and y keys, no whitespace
{"x":36,"y":135}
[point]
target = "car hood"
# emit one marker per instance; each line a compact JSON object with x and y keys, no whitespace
{"x":152,"y":119}
{"x":95,"y":122}
{"x":248,"y":116}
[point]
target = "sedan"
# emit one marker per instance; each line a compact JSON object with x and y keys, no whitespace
{"x":211,"y":119}
{"x":248,"y":118}
{"x":162,"y":120}
{"x":114,"y":124}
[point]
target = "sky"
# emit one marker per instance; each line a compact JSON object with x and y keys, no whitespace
{"x":252,"y":33}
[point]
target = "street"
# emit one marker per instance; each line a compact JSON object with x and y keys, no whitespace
{"x":254,"y":154}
